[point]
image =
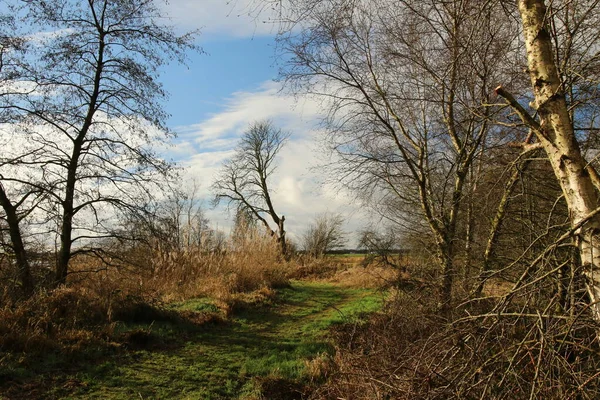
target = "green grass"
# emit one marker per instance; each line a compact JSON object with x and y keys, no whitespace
{"x":227,"y":360}
{"x":203,"y":304}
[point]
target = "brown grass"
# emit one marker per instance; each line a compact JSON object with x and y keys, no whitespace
{"x":249,"y":263}
{"x":348,"y":271}
{"x":366,"y":277}
{"x":414,"y":350}
{"x":86,"y":310}
{"x":64,"y":318}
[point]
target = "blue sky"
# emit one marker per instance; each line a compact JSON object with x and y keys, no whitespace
{"x":228,"y":65}
{"x":231,"y":85}
{"x":219,"y":93}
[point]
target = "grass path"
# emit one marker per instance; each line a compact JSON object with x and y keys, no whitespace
{"x":230,"y":360}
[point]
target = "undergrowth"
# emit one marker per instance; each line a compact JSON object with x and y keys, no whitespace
{"x":276,"y":346}
{"x":487,"y":349}
{"x":121,"y":305}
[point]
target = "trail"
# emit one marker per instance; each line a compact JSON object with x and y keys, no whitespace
{"x":228,"y":361}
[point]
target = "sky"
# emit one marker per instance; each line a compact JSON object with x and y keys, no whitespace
{"x":232,"y":84}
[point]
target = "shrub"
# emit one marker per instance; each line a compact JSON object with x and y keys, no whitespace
{"x":413,"y":352}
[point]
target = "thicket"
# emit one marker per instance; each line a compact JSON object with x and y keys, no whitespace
{"x":470,"y":129}
{"x":529,"y":334}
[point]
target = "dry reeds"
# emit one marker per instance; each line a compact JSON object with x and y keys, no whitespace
{"x":248,"y":263}
{"x":134,"y":286}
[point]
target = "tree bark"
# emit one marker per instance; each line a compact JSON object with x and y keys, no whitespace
{"x":69,"y":211}
{"x":282,"y":242}
{"x":17,"y":243}
{"x":556,"y":134}
{"x":469,"y":235}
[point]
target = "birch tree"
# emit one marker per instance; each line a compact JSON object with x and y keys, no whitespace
{"x":553,"y":125}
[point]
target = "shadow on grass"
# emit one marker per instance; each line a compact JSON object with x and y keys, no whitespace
{"x":261,"y":349}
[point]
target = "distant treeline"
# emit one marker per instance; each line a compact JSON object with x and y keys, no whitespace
{"x":364,"y":251}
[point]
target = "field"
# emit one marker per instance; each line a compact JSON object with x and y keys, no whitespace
{"x":271,"y":344}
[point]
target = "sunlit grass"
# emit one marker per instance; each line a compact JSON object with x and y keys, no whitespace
{"x":224,"y":360}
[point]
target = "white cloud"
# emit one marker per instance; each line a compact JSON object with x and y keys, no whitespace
{"x":17,"y":87}
{"x":298,"y":189}
{"x":244,"y":107}
{"x":232,"y":18}
{"x":42,"y":38}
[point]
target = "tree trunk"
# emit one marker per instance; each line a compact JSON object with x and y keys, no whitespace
{"x":282,"y":241}
{"x":68,"y":204}
{"x":66,"y":240}
{"x":470,"y":221}
{"x":556,"y":135}
{"x":496,"y":226}
{"x":17,"y":243}
{"x":64,"y":253}
{"x":447,"y":261}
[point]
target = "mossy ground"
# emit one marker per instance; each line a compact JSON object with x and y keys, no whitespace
{"x":234,"y":359}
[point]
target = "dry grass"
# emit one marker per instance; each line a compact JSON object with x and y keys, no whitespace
{"x":366,"y":277}
{"x":65,"y":319}
{"x":137,"y":291}
{"x":310,"y":268}
{"x":347,"y":271}
{"x":320,"y":367}
{"x":249,"y":263}
{"x":161,"y":275}
{"x":416,"y":351}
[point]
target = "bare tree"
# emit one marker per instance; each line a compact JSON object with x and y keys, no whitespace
{"x":91,"y":109}
{"x":181,"y":222}
{"x":381,"y":246}
{"x":244,"y":180}
{"x":559,"y":77}
{"x":407,"y":85}
{"x":11,"y":49}
{"x":324,"y":234}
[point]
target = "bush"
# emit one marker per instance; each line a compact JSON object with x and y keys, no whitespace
{"x":411,"y":352}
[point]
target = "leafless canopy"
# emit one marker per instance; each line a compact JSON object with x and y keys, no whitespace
{"x":325,"y":233}
{"x":407,"y":86}
{"x":245,"y":178}
{"x":85,"y":105}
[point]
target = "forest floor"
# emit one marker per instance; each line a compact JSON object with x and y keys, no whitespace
{"x":274,"y":349}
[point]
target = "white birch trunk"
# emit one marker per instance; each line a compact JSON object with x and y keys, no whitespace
{"x":557,"y":136}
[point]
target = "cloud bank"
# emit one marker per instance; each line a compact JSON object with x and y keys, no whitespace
{"x":233,"y":18}
{"x":298,"y":189}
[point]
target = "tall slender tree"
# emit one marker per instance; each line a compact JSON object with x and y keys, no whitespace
{"x":554,"y":128}
{"x":85,"y":128}
{"x":11,"y":50}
